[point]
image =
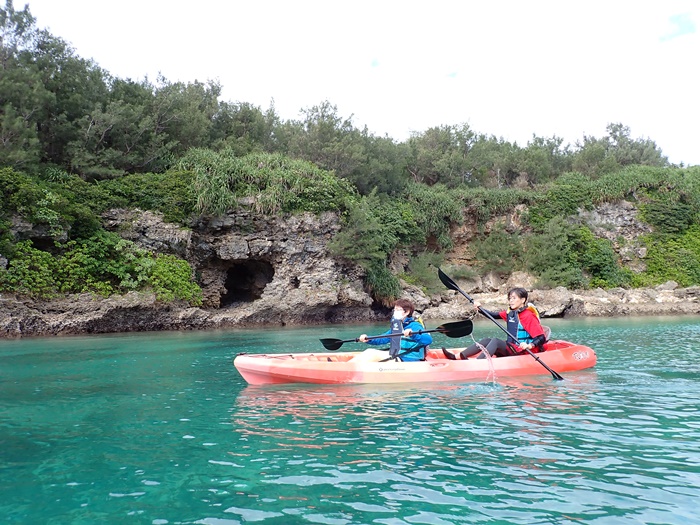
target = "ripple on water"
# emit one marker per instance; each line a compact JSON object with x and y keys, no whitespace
{"x":163,"y":430}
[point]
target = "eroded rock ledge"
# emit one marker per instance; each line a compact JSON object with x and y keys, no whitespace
{"x":278,"y":271}
{"x":85,"y":313}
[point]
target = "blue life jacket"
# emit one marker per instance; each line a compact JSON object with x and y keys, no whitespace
{"x":413,"y":348}
{"x":405,"y":348}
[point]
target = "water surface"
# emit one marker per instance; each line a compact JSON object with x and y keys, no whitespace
{"x":159,"y":428}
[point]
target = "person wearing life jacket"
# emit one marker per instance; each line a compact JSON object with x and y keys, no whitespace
{"x":522,"y":321}
{"x":410,"y":346}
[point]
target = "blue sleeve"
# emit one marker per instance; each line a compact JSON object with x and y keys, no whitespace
{"x":381,"y":340}
{"x":421,"y":339}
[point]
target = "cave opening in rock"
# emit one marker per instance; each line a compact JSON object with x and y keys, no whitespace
{"x":246,"y":281}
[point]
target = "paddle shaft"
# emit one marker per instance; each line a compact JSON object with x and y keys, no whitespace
{"x":401,"y":334}
{"x":357,"y":339}
{"x":451,"y":284}
{"x":457,"y":329}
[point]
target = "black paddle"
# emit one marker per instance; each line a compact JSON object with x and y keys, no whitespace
{"x":458,"y":329}
{"x":453,"y":286}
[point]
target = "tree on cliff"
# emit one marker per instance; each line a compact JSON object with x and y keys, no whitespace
{"x":76,"y":141}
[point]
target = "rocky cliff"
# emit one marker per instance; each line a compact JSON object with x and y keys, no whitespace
{"x":277,"y":270}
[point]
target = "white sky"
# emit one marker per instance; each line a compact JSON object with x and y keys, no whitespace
{"x":510,"y":68}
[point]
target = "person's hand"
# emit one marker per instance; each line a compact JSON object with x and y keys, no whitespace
{"x":362,"y":338}
{"x":407,"y":332}
{"x":477,"y":305}
{"x":526,"y":346}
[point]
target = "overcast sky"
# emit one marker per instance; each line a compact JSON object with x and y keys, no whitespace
{"x":507,"y":68}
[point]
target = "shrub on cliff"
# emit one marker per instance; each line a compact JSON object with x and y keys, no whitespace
{"x":171,"y":278}
{"x":367,"y":240}
{"x":104,"y":264}
{"x":271,"y":182}
{"x":435,"y":209}
{"x":31,"y":272}
{"x":62,"y":203}
{"x":673,"y":257}
{"x":170,"y":193}
{"x":562,"y":254}
{"x":598,"y":260}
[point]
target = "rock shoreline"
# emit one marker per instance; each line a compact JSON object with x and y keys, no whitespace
{"x":134,"y":312}
{"x":277,"y":271}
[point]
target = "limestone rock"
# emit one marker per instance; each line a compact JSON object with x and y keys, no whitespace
{"x":257,"y":270}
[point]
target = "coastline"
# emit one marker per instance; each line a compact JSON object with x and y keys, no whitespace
{"x":136,"y":312}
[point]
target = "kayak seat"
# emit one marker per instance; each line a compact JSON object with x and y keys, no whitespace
{"x":547,"y":332}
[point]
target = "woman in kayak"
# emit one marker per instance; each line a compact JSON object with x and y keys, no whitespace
{"x":523,"y":322}
{"x":410,"y":346}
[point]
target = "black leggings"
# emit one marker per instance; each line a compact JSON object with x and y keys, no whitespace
{"x":494,"y":346}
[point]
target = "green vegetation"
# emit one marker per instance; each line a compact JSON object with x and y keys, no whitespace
{"x":383,"y":285}
{"x":272,"y":183}
{"x":104,"y":265}
{"x":672,"y":257}
{"x":421,"y":272}
{"x":171,"y":193}
{"x":76,"y":142}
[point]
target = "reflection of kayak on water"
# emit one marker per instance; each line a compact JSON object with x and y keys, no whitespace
{"x":260,"y":369}
{"x":288,"y":397}
{"x":331,"y":419}
{"x":291,"y":395}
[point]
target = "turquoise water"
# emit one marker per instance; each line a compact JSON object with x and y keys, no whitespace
{"x":159,"y":428}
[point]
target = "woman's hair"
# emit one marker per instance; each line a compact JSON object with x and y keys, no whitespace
{"x":406,"y":305}
{"x":520,"y":292}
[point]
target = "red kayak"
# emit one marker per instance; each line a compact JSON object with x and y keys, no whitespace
{"x":337,"y":367}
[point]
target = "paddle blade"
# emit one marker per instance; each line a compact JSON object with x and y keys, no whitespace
{"x":332,"y":344}
{"x":458,"y":329}
{"x":449,"y":283}
{"x":452,"y":285}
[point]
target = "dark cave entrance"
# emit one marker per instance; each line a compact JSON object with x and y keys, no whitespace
{"x":246,"y":281}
